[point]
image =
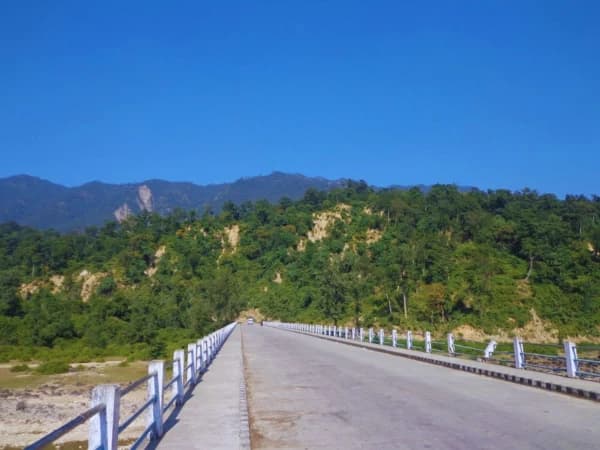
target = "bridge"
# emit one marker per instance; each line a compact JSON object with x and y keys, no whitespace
{"x":292,"y":386}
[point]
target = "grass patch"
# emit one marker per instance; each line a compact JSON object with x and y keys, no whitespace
{"x":20,"y":380}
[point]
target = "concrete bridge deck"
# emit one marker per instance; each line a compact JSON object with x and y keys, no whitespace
{"x":215,"y":415}
{"x":308,"y":393}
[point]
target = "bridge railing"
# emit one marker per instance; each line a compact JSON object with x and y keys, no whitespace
{"x":553,"y":358}
{"x":105,"y":424}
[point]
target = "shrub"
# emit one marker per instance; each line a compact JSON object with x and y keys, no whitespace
{"x":53,"y":367}
{"x":20,"y":368}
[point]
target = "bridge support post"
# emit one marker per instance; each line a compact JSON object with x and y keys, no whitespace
{"x":428,"y":342}
{"x":155,"y":391}
{"x":394,"y":338}
{"x":104,"y":426}
{"x":519,"y":353}
{"x":450,"y":340}
{"x":571,"y":358}
{"x":178,"y":365}
{"x":381,"y":336}
{"x":409,"y":340}
{"x":191,"y":363}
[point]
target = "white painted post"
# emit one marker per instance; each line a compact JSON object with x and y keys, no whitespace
{"x":571,"y":358}
{"x":200,"y":364}
{"x":362,"y":334}
{"x":178,"y":365}
{"x":155,"y":391}
{"x":428,"y":342}
{"x":209,"y":349}
{"x":489,"y":350}
{"x":191,"y":362}
{"x":346,"y":330}
{"x":204,"y":352}
{"x":381,"y":336}
{"x":370,"y":335}
{"x":104,"y":426}
{"x":519,"y":353}
{"x":409,"y":340}
{"x":394,"y":338}
{"x":353,"y":333}
{"x":451,"y":350}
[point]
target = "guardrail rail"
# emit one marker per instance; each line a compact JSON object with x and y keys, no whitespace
{"x":105,"y":424}
{"x":552,"y":358}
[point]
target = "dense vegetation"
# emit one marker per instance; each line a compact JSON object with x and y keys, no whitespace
{"x":412,"y":259}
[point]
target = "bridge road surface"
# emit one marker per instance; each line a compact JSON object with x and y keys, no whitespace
{"x":308,"y":393}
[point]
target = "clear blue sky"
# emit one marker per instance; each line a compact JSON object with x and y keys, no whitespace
{"x":485,"y":93}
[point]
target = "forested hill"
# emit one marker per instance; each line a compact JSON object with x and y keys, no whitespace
{"x":474,"y":262}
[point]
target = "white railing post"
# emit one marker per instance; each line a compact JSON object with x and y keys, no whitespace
{"x":571,"y":358}
{"x":450,"y":339}
{"x":346,"y":331}
{"x":155,"y":391}
{"x":200,"y":364}
{"x":370,"y":335}
{"x":381,"y":336}
{"x":191,"y":363}
{"x":204,"y":352}
{"x":394,"y":338}
{"x":104,"y":426}
{"x":409,"y":340}
{"x":362,"y":334}
{"x":519,"y":353}
{"x":178,"y":365}
{"x":489,"y":349}
{"x":353,"y":333}
{"x":209,"y":348}
{"x":428,"y":342}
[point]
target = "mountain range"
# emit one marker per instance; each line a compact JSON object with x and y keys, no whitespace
{"x":39,"y":203}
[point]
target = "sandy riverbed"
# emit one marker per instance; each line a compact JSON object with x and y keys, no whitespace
{"x":29,"y":412}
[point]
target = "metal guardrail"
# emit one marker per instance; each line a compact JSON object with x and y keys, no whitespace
{"x":104,"y":415}
{"x":566,"y":362}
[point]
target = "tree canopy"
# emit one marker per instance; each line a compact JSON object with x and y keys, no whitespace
{"x":435,"y":260}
